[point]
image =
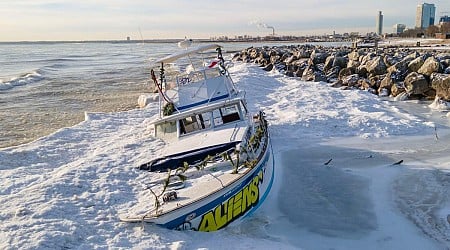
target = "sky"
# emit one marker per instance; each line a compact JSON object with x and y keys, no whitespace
{"x":36,"y":20}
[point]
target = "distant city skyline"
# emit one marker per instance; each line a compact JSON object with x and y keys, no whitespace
{"x":425,"y":15}
{"x":47,"y":20}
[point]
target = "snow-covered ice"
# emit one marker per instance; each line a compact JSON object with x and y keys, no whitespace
{"x":67,"y":190}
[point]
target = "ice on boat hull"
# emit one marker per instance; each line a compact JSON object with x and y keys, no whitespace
{"x":214,"y":144}
{"x":219,"y":209}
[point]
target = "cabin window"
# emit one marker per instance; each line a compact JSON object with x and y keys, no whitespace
{"x":194,"y":123}
{"x":226,"y":114}
{"x":166,"y":130}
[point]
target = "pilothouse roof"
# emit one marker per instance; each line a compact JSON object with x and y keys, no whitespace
{"x":184,"y":53}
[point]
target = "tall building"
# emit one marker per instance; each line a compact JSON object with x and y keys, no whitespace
{"x":399,"y":28}
{"x":379,"y":24}
{"x":444,"y":19}
{"x":425,"y":15}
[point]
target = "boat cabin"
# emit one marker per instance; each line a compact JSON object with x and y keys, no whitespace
{"x":201,"y":119}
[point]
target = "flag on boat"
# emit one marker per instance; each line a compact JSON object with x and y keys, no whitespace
{"x":213,"y":63}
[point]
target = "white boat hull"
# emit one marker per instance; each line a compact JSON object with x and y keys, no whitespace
{"x":217,"y":210}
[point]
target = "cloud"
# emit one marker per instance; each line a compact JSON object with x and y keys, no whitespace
{"x":105,"y":19}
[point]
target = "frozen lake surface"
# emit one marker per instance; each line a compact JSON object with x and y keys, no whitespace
{"x":66,"y":190}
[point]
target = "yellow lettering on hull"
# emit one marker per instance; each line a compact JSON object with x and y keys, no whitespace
{"x":234,"y":207}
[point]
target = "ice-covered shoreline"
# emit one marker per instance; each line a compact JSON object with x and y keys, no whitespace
{"x":67,"y":189}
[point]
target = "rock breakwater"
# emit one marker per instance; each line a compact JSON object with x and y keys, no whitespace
{"x":406,"y":72}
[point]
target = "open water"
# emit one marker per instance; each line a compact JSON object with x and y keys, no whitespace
{"x":45,"y":86}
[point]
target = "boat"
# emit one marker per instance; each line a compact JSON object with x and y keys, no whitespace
{"x":217,"y":166}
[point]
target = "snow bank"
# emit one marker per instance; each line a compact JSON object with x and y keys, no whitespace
{"x":67,"y":190}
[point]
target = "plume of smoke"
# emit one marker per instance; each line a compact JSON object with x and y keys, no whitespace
{"x":260,"y":24}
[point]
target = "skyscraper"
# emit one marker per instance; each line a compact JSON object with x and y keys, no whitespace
{"x":379,"y":30}
{"x":399,"y":28}
{"x":425,"y":15}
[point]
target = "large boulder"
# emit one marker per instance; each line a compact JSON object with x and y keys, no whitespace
{"x":431,"y":65}
{"x":376,"y":66}
{"x":318,"y":56}
{"x":390,"y":60}
{"x":400,"y":67}
{"x":412,"y":56}
{"x":443,"y":56}
{"x":354,"y":56}
{"x":351,"y":80}
{"x":415,"y":64}
{"x":346,"y":72}
{"x":375,"y":81}
{"x":340,"y":61}
{"x":353,"y":64}
{"x":329,"y":63}
{"x":397,"y":89}
{"x":333,"y":74}
{"x":416,"y":84}
{"x":386,"y":83}
{"x":441,"y":83}
{"x":309,"y":74}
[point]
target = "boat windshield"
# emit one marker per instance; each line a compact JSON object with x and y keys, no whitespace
{"x":196,"y":76}
{"x":195,"y":123}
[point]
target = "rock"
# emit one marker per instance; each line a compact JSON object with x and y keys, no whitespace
{"x":269,"y":67}
{"x":333,"y":74}
{"x":384,"y":92}
{"x":447,"y":70}
{"x":416,"y":84}
{"x":390,"y":60}
{"x":299,"y":72}
{"x":376,"y":66}
{"x":375,"y":81}
{"x":443,"y":56}
{"x":431,"y":65}
{"x":346,"y":72}
{"x":386,"y":83}
{"x":351,"y":80}
{"x":291,"y":60}
{"x":415,"y":64}
{"x":353,"y":56}
{"x":441,"y":83}
{"x":302,"y":53}
{"x":328,"y":63}
{"x":400,"y":66}
{"x":309,"y":74}
{"x":340,"y":62}
{"x":445,"y":63}
{"x":318,"y":56}
{"x":280,"y":66}
{"x":336,"y":84}
{"x":274,"y":59}
{"x":353,"y":64}
{"x":364,"y":83}
{"x":412,"y":56}
{"x":397,"y":89}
